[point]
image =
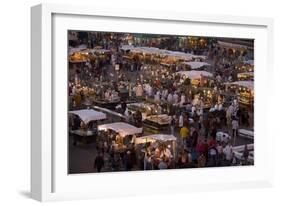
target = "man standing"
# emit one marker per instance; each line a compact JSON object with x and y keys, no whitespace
{"x":99,"y":162}
{"x":228,"y":153}
{"x":172,"y":125}
{"x":235,"y":126}
{"x":184,"y":134}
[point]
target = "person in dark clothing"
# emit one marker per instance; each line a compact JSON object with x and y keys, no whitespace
{"x":245,"y":155}
{"x":128,"y":161}
{"x":194,"y":139}
{"x":99,"y":162}
{"x":123,"y":107}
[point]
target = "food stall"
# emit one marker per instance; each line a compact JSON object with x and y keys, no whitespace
{"x":245,"y":90}
{"x":108,"y":98}
{"x":122,"y":130}
{"x":156,"y":55}
{"x":146,"y":109}
{"x":159,"y":142}
{"x":197,"y":77}
{"x":83,"y":132}
{"x":233,"y":47}
{"x":158,"y":122}
{"x":195,"y":64}
{"x":249,"y":134}
{"x":238,"y":152}
{"x":245,"y":76}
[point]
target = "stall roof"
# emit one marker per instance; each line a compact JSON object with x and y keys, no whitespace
{"x":88,"y":115}
{"x":72,"y":50}
{"x":231,"y":45}
{"x":122,"y":128}
{"x":247,"y":84}
{"x":250,"y":62}
{"x":164,"y":52}
{"x":195,"y":74}
{"x":246,"y":73}
{"x":196,"y":65}
{"x":157,"y":137}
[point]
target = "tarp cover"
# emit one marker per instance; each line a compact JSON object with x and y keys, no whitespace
{"x":195,"y":74}
{"x":196,"y":65}
{"x":155,"y":137}
{"x":122,"y":128}
{"x":87,"y":115}
{"x":247,"y":84}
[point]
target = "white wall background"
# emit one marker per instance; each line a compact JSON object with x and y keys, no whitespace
{"x":15,"y":101}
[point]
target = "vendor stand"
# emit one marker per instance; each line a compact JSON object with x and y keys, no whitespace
{"x":163,"y":147}
{"x":158,"y":122}
{"x":122,"y":131}
{"x":245,"y":90}
{"x":146,"y":109}
{"x":195,"y":64}
{"x":83,"y":132}
{"x":244,"y":76}
{"x":109,"y":104}
{"x":249,"y":134}
{"x":197,"y":77}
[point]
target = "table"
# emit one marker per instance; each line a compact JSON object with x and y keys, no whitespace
{"x":159,"y":122}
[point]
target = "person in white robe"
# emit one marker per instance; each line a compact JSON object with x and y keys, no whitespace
{"x":182,"y":99}
{"x":157,"y":96}
{"x":175,"y":98}
{"x":181,"y":121}
{"x":139,"y":90}
{"x":170,"y":98}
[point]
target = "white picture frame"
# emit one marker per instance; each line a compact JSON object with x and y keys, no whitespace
{"x":49,"y":178}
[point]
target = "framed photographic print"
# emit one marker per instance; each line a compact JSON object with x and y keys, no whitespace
{"x":138,"y":102}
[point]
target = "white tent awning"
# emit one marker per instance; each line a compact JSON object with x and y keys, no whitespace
{"x":122,"y":128}
{"x":247,"y":84}
{"x":87,"y":115}
{"x":155,"y":137}
{"x":163,"y":52}
{"x":231,"y":45}
{"x":196,"y":65}
{"x":195,"y":74}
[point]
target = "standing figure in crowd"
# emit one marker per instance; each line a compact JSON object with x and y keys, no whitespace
{"x":99,"y":162}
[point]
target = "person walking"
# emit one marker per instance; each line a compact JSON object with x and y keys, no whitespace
{"x":184,"y":134}
{"x":228,"y":153}
{"x":245,"y":155}
{"x":128,"y":161}
{"x":99,"y":162}
{"x":235,"y":126}
{"x":172,"y":125}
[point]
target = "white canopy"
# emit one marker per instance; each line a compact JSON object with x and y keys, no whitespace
{"x":246,"y":73}
{"x":251,"y":62}
{"x":247,"y":84}
{"x":155,"y":137}
{"x":196,"y":65}
{"x":195,"y":74}
{"x":122,"y":128}
{"x":164,"y":52}
{"x":88,"y":115}
{"x":72,"y":50}
{"x":231,"y":45}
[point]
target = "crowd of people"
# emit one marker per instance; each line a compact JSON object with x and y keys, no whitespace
{"x":196,"y":114}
